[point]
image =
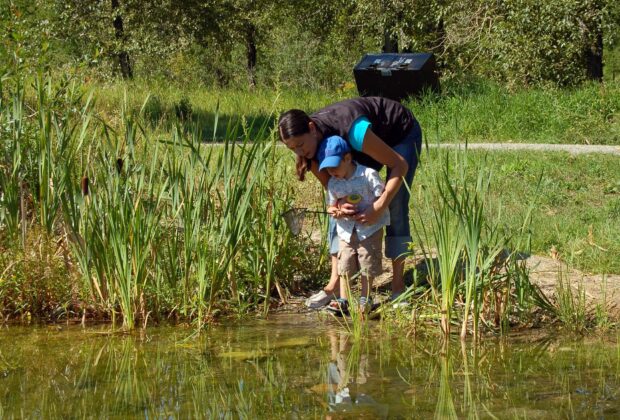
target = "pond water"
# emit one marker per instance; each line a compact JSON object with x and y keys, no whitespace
{"x":298,"y":366}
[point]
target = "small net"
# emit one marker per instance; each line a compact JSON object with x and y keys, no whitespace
{"x":294,"y":219}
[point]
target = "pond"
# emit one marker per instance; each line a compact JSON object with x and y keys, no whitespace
{"x":301,"y":366}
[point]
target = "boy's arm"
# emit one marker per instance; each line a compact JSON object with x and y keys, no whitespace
{"x":333,"y":206}
{"x":376,"y":184}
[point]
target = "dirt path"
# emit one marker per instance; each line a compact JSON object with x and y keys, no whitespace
{"x":574,"y":149}
{"x":545,"y":272}
{"x":598,"y":289}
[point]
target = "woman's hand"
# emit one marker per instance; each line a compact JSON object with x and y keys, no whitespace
{"x":377,"y":149}
{"x":370,"y":215}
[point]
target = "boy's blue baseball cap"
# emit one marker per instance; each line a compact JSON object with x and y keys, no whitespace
{"x":331,"y":150}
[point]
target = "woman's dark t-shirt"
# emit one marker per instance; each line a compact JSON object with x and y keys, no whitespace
{"x":390,"y":121}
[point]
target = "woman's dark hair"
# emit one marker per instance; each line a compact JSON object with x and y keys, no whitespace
{"x":292,"y":123}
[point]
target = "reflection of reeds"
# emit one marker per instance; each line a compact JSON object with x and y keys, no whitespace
{"x":131,"y":388}
{"x":156,"y":376}
{"x":445,"y":405}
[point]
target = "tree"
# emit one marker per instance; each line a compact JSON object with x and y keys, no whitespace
{"x":123,"y":55}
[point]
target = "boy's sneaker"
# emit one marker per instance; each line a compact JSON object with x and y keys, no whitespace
{"x":318,"y":300}
{"x":397,"y":302}
{"x":338,"y":307}
{"x":365,"y":304}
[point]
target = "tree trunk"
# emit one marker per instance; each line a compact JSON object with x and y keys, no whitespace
{"x":594,"y":59}
{"x":250,"y":41}
{"x":390,"y":42}
{"x":123,"y":55}
{"x":438,"y":47}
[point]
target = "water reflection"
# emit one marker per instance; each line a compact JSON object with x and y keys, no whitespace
{"x":301,"y":368}
{"x":347,"y":376}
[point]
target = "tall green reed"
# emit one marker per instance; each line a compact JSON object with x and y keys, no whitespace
{"x":12,"y":166}
{"x":445,"y":234}
{"x":122,"y":226}
{"x":472,"y":259}
{"x":63,"y":116}
{"x":482,"y":241}
{"x":157,"y":223}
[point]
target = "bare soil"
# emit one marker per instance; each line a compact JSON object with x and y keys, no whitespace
{"x":545,"y":272}
{"x":599,"y":289}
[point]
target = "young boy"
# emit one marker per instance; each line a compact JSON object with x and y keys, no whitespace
{"x":360,"y":248}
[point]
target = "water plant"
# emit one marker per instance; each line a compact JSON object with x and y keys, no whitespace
{"x":157,"y":226}
{"x":472,"y":259}
{"x":571,"y":301}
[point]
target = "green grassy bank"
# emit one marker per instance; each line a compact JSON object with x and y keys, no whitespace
{"x":113,"y":207}
{"x":469,"y":111}
{"x":576,"y":201}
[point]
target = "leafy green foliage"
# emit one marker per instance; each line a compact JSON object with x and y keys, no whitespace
{"x":311,"y":43}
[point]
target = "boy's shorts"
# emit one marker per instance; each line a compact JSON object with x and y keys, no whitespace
{"x":365,"y":256}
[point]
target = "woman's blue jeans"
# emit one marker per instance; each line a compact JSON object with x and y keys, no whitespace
{"x":398,"y":233}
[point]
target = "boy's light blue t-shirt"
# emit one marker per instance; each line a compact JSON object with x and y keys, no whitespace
{"x":367,"y":183}
{"x":357,"y":132}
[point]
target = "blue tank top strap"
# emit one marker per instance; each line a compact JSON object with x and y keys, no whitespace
{"x":357,"y":132}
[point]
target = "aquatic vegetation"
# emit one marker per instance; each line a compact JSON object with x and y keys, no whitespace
{"x":472,"y":261}
{"x":571,"y":303}
{"x":155,"y":226}
{"x":158,"y":224}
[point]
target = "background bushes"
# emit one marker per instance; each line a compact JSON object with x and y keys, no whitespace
{"x":314,"y":44}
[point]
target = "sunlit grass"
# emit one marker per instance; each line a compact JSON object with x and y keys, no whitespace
{"x":159,"y":224}
{"x":156,"y":226}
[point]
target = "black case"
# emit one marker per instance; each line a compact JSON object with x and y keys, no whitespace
{"x":396,"y":76}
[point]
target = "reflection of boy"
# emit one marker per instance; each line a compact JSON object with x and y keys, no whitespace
{"x":360,"y":244}
{"x":338,"y":380}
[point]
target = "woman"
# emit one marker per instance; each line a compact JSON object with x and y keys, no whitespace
{"x":381,"y":132}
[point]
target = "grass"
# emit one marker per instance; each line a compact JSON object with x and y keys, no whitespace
{"x":123,"y":230}
{"x":171,"y":227}
{"x":470,"y":255}
{"x":577,"y":197}
{"x":483,"y":112}
{"x":571,"y":303}
{"x":473,"y":111}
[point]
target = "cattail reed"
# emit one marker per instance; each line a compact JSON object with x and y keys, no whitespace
{"x":84,"y":184}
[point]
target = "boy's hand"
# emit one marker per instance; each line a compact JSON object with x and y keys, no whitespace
{"x":346,"y":208}
{"x":342,"y":209}
{"x":334,"y":212}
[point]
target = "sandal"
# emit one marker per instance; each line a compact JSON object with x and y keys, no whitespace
{"x":338,"y":307}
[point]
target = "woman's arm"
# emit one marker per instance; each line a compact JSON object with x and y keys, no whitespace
{"x":376,"y":148}
{"x":323,"y":177}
